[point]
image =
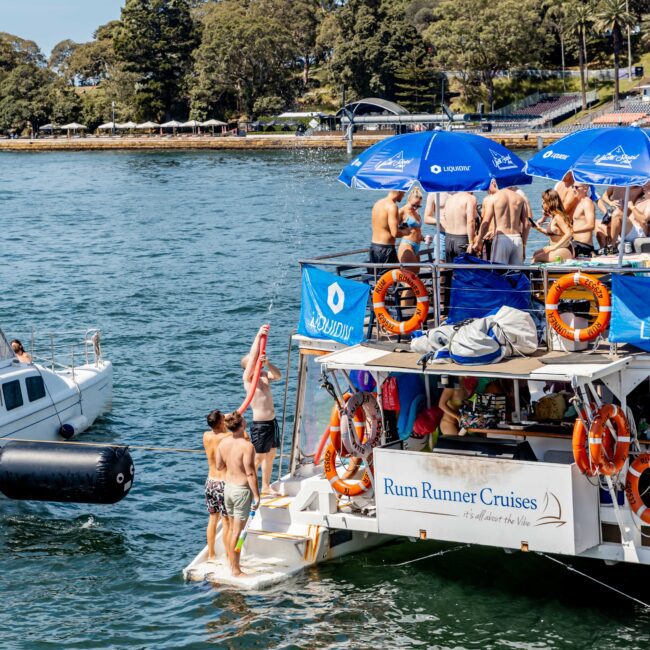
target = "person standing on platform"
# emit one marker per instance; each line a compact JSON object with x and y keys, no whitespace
{"x":236,"y":456}
{"x":385,"y":229}
{"x":461,"y":213}
{"x":430,"y":217}
{"x":264,"y":431}
{"x":215,"y":483}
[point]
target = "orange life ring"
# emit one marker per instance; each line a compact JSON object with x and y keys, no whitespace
{"x":339,"y":484}
{"x":580,"y":452}
{"x":637,"y":468}
{"x":619,"y":445}
{"x":422,"y":301}
{"x":361,"y":442}
{"x":602,"y":298}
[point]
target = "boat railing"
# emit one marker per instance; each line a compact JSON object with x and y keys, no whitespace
{"x":437,"y":277}
{"x":67,"y":350}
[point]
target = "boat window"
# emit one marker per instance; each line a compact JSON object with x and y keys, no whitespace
{"x":12,"y":394}
{"x":35,"y":388}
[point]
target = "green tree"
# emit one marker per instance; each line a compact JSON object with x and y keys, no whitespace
{"x":154,"y":41}
{"x":417,"y":84}
{"x":580,"y":23}
{"x":481,"y":38}
{"x":557,"y":18}
{"x":25,"y":97}
{"x":24,"y":51}
{"x":613,"y":17}
{"x":64,"y":103}
{"x":59,"y":60}
{"x":306,"y":16}
{"x":246,"y":54}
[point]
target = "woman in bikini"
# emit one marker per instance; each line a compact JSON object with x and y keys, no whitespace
{"x":409,"y":248}
{"x":560,"y":230}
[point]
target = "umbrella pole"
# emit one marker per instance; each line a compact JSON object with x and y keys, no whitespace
{"x":621,"y":244}
{"x":438,"y":274}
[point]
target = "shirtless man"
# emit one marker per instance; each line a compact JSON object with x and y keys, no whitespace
{"x":584,"y":222}
{"x":567,"y":193}
{"x":215,"y":483}
{"x":507,"y":209}
{"x":236,"y":456}
{"x":461,"y":213}
{"x":385,"y":228}
{"x":430,"y":215}
{"x":264,"y":430}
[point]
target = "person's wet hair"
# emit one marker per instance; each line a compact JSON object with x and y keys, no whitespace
{"x":234,"y":421}
{"x":17,"y":346}
{"x":215,"y":418}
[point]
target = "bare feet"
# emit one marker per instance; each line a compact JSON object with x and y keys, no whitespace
{"x":268,"y":490}
{"x":239,"y":574}
{"x":211,"y":560}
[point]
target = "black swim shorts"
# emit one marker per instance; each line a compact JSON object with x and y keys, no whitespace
{"x":214,"y":497}
{"x":455,"y":245}
{"x":265,"y":436}
{"x":382,"y":254}
{"x":581,"y":250}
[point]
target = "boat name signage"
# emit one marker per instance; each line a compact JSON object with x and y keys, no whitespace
{"x":484,"y":500}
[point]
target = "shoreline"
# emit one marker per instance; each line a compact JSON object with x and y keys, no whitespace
{"x":249,"y":142}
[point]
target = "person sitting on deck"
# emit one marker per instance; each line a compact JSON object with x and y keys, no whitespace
{"x":614,"y":199}
{"x":19,"y":351}
{"x":560,"y":230}
{"x":264,"y":430}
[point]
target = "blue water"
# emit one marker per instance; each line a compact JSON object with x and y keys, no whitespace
{"x":178,"y":258}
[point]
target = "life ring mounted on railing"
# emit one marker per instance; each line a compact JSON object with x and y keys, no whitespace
{"x":421,"y":307}
{"x":603,"y":300}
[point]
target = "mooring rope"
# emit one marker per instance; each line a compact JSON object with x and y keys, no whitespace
{"x":438,"y":554}
{"x":600,"y":582}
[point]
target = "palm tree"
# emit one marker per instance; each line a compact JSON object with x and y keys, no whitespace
{"x":558,"y":18}
{"x":580,"y":20}
{"x":612,"y":17}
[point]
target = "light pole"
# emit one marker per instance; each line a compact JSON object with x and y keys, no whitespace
{"x":113,"y":119}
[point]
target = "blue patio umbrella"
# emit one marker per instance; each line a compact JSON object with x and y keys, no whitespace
{"x":601,"y":156}
{"x":440,"y":161}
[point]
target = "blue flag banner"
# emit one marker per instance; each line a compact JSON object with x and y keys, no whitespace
{"x":332,"y":307}
{"x":630,"y":311}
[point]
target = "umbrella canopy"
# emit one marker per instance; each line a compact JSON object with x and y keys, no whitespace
{"x":601,"y":156}
{"x":147,"y":125}
{"x":127,"y":125}
{"x":441,"y":161}
{"x":109,"y":126}
{"x":172,"y":124}
{"x":73,"y":126}
{"x":214,"y":123}
{"x":191,"y":124}
{"x":47,"y":127}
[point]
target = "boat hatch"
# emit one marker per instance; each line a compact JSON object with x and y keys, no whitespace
{"x":552,"y":366}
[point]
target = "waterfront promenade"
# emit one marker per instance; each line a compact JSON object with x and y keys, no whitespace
{"x":250,"y":142}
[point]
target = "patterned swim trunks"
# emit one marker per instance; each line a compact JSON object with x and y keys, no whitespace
{"x":214,"y":497}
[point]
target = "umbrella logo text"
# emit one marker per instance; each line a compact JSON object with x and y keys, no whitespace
{"x":335,"y":297}
{"x":396,"y":162}
{"x":553,"y":154}
{"x":616,"y":158}
{"x":502,"y":161}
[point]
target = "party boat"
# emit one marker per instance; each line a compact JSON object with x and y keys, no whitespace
{"x":58,"y":395}
{"x":541,"y":446}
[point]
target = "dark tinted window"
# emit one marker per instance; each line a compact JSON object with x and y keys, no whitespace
{"x":35,"y":388}
{"x":12,"y":394}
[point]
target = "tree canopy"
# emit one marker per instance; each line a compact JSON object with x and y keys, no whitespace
{"x":227,"y":58}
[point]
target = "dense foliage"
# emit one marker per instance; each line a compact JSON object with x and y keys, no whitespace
{"x":228,"y":58}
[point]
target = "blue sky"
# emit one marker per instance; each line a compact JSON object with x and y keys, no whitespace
{"x":49,"y":21}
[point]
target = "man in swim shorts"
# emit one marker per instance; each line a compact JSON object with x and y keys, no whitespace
{"x":264,"y":431}
{"x":236,"y":456}
{"x":215,"y":483}
{"x":507,"y":209}
{"x":385,"y":228}
{"x":460,"y":223}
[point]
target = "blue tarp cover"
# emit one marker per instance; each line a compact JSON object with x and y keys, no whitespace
{"x":630,"y":311}
{"x":475,"y":293}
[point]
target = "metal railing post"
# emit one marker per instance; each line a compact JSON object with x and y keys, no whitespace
{"x":284,"y":404}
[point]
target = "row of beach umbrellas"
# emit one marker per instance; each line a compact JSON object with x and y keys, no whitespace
{"x":444,"y":161}
{"x":123,"y":126}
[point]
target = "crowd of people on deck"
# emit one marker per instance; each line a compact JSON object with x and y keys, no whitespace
{"x":498,"y":230}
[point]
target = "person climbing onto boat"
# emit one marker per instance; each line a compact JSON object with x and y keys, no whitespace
{"x":461,"y":212}
{"x":264,"y":431}
{"x":19,"y":351}
{"x":214,"y":485}
{"x":409,"y":248}
{"x":236,"y":457}
{"x":560,"y":229}
{"x":385,"y":229}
